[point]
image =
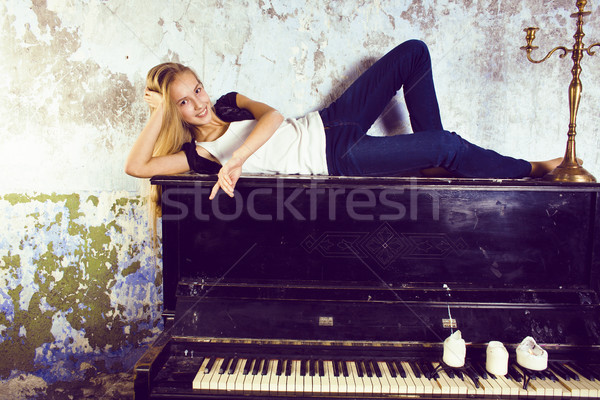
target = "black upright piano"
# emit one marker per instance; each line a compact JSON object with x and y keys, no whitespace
{"x":339,"y":287}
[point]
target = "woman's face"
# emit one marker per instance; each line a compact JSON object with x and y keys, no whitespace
{"x":191,"y":99}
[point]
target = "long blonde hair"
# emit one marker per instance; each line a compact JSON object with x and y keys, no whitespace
{"x":174,"y":131}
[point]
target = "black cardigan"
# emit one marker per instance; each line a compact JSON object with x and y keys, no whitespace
{"x":226,"y":108}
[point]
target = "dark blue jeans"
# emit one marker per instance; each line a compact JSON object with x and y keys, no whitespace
{"x":351,"y":152}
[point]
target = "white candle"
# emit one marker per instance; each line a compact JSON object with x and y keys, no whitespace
{"x":454,"y":350}
{"x":496,"y":360}
{"x":530,"y":355}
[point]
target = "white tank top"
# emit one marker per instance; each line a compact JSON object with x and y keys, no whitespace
{"x":297,"y":147}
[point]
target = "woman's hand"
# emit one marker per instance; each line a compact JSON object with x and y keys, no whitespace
{"x":154,"y":99}
{"x":228,"y":177}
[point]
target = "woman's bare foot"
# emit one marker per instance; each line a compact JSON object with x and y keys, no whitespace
{"x":541,"y":168}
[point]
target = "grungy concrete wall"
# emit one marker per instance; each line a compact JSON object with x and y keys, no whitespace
{"x":78,"y":277}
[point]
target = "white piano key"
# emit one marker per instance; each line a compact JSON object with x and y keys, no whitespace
{"x":392,"y":382}
{"x":554,"y":389}
{"x":346,"y":384}
{"x":358,"y":383}
{"x":223,"y":379}
{"x":237,"y":378}
{"x":446,"y":384}
{"x":490,"y":386}
{"x":411,"y":386}
{"x":375,"y":382}
{"x":316,"y":380}
{"x":333,"y":380}
{"x":213,"y":384}
{"x":307,"y":387}
{"x":592,"y":387}
{"x":199,"y":381}
{"x":575,"y":388}
{"x":255,"y":386}
{"x":519,"y":385}
{"x":472,"y":388}
{"x":500,"y":385}
{"x":458,"y":386}
{"x":295,"y":380}
{"x":388,"y":384}
{"x":410,"y":374}
{"x":282,"y":381}
{"x":265,"y":380}
{"x":325,"y":380}
{"x":423,"y":385}
{"x":512,"y":386}
{"x":367,"y":381}
{"x":248,"y":378}
{"x":273,"y":378}
{"x":533,"y":386}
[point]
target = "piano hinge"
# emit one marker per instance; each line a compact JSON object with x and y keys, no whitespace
{"x":449,"y":323}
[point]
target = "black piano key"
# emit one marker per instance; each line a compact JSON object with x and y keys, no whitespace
{"x":233,"y":365}
{"x":265,"y":368}
{"x":459,"y":374}
{"x":449,"y":372}
{"x":560,"y":370}
{"x":288,"y":367}
{"x":303,"y":367}
{"x":247,"y":366}
{"x":359,"y":369}
{"x":279,"y":369}
{"x":321,"y":368}
{"x":480,"y":369}
{"x":224,"y":365}
{"x":391,"y":368}
{"x":210,"y":364}
{"x":583,"y":370}
{"x":573,"y":374}
{"x":256,"y":367}
{"x":368,"y":368}
{"x":514,"y":374}
{"x":550,"y":375}
{"x":400,"y":368}
{"x":541,"y":375}
{"x":344,"y":369}
{"x":336,"y":368}
{"x":427,"y":370}
{"x":431,"y":369}
{"x":470,"y":372}
{"x":415,"y":369}
{"x":312,"y":367}
{"x":536,"y":375}
{"x":377,"y":369}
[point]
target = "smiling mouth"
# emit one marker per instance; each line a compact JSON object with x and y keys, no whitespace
{"x":202,"y":114}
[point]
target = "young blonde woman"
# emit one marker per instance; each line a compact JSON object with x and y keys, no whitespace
{"x":236,"y":134}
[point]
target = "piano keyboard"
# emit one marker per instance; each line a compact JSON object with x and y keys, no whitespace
{"x":385,"y":378}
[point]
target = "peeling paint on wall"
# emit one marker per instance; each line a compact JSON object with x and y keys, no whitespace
{"x":80,"y":280}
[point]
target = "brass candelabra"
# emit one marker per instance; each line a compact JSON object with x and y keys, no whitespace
{"x":569,"y":170}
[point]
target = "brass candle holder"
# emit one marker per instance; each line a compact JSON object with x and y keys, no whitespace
{"x":569,"y":170}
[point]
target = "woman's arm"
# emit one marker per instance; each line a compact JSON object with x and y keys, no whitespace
{"x":268,"y":120}
{"x":140,"y":162}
